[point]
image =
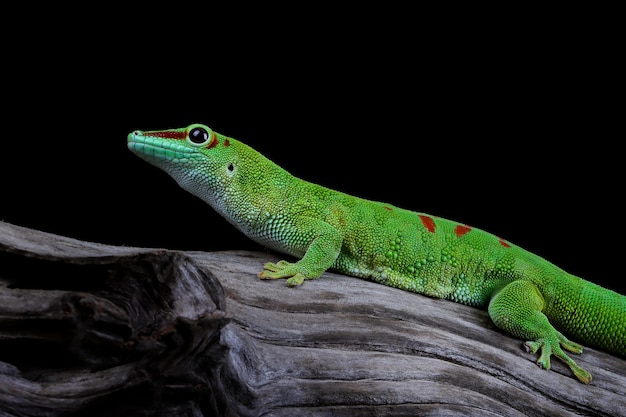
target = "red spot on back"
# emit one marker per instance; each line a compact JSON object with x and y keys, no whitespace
{"x":460,"y":230}
{"x":227,"y":143}
{"x":503,"y":243}
{"x":428,"y":223}
{"x":169,"y":134}
{"x":388,"y":208}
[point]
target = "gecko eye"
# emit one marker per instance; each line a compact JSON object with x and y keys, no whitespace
{"x":198,"y":135}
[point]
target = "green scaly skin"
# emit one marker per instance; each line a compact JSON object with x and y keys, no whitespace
{"x":525,"y":295}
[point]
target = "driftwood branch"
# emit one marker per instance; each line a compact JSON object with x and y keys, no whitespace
{"x":96,"y":330}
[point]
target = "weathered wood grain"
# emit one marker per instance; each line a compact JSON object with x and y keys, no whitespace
{"x":91,"y":329}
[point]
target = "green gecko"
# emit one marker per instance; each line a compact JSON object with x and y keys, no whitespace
{"x":525,"y":295}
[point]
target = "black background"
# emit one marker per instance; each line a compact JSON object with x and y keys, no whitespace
{"x":509,"y":131}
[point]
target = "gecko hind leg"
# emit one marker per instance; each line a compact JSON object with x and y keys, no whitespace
{"x":517,"y":309}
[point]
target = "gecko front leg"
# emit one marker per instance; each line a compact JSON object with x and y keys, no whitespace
{"x":322,"y":251}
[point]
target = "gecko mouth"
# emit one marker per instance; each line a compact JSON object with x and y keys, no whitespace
{"x":155,"y":148}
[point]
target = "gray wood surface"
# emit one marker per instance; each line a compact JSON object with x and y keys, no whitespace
{"x":91,"y":329}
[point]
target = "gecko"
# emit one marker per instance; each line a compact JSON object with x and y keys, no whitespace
{"x":324,"y":229}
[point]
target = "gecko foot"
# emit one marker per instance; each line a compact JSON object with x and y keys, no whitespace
{"x":282,"y":269}
{"x":549,"y":348}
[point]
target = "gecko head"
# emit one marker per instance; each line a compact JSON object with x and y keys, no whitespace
{"x":198,"y":158}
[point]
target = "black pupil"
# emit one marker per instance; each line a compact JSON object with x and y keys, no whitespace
{"x":198,"y":135}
